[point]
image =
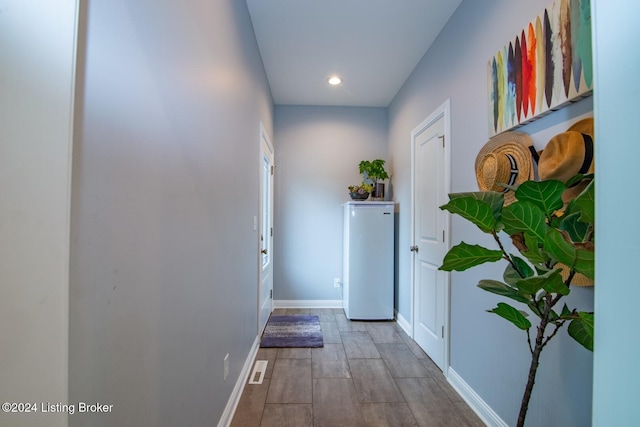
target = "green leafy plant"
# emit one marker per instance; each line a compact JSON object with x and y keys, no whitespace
{"x":554,"y":243}
{"x":372,"y":171}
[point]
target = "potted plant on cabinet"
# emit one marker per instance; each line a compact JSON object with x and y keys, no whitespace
{"x":374,"y":171}
{"x":360,"y":191}
{"x":555,"y":244}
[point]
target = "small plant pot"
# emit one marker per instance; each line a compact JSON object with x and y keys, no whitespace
{"x":378,"y":191}
{"x":359,"y":196}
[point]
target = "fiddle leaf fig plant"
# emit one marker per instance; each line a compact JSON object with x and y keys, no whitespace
{"x":555,"y":242}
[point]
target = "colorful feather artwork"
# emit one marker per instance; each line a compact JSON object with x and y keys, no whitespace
{"x":549,"y":70}
{"x":565,"y":44}
{"x":502,"y":88}
{"x":544,"y":67}
{"x":576,"y":61}
{"x":517,"y":64}
{"x":495,"y":94}
{"x":540,"y":64}
{"x":526,"y":74}
{"x":581,"y":43}
{"x":510,"y":98}
{"x":531,"y":64}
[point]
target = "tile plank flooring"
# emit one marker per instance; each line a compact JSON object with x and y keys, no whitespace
{"x":367,"y":374}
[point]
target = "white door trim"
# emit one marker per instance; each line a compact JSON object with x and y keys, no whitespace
{"x":443,"y":110}
{"x":265,"y":148}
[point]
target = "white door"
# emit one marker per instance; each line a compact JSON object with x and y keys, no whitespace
{"x":265,"y":230}
{"x":430,"y":236}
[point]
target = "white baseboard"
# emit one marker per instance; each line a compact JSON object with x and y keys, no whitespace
{"x":404,"y":324}
{"x":329,"y":303}
{"x":475,"y":402}
{"x":236,"y":394}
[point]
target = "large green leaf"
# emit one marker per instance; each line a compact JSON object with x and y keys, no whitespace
{"x":502,"y":289}
{"x":580,"y":260}
{"x":524,"y":216}
{"x":566,"y":313}
{"x":585,"y":203}
{"x":531,"y":285}
{"x":523,"y":268}
{"x":512,"y":315}
{"x":581,"y":329}
{"x":511,"y":275}
{"x":577,"y":178}
{"x":559,"y":248}
{"x":492,"y":198}
{"x":578,"y":230}
{"x":474,"y":210}
{"x":534,"y":254}
{"x":554,"y":283}
{"x":464,"y":256}
{"x":547,"y":195}
{"x":585,"y":261}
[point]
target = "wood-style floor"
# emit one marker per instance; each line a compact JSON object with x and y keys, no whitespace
{"x":367,"y":374}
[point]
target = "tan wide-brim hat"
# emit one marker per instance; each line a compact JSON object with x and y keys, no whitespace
{"x":565,"y":155}
{"x":583,"y":126}
{"x":578,"y":279}
{"x":504,"y":160}
{"x":568,"y":154}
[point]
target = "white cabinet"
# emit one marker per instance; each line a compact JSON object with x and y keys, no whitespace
{"x":368,"y":261}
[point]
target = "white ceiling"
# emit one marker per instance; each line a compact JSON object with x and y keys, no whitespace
{"x":372,"y":44}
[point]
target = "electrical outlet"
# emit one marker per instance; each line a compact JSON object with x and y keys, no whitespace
{"x":336,"y":282}
{"x":226,"y":367}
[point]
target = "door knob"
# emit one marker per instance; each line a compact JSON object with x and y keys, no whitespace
{"x":264,"y":251}
{"x":414,"y":248}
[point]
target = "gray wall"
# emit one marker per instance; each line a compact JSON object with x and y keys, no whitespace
{"x":318,"y":150}
{"x":139,"y":334}
{"x":616,"y":368}
{"x":487,"y":352}
{"x":36,"y":111}
{"x":164,"y":257}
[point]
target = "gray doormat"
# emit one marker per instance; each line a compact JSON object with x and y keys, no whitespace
{"x":292,"y":331}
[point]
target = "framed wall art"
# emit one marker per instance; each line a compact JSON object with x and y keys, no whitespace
{"x":543,"y":68}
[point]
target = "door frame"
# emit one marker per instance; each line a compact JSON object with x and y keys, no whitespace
{"x":443,"y":110}
{"x":264,"y":141}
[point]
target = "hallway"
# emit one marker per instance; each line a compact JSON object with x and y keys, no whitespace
{"x":367,"y":374}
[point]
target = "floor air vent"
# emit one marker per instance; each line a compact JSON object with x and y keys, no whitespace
{"x":259,"y":370}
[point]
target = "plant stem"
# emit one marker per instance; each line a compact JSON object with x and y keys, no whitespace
{"x":555,"y":331}
{"x":533,"y":368}
{"x":505,"y":255}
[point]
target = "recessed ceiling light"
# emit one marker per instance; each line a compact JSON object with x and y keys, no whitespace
{"x":334,"y":80}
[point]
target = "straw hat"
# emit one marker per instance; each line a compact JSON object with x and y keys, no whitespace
{"x":504,"y":160}
{"x":583,"y":126}
{"x":568,"y":154}
{"x":578,"y":279}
